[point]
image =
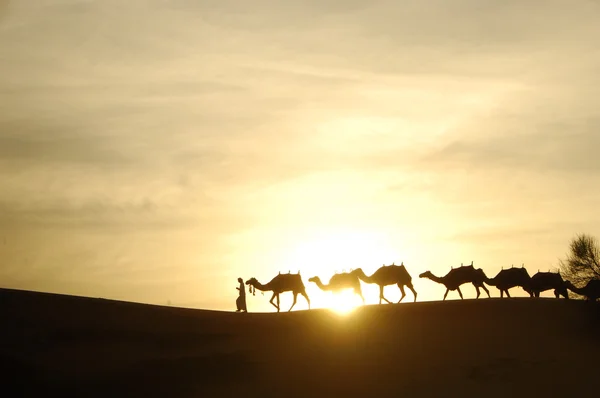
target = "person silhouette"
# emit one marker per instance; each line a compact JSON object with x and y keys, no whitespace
{"x":240,"y":302}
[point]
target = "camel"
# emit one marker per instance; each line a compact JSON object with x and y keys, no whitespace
{"x":388,"y":275}
{"x":543,"y":281}
{"x":509,"y":278}
{"x":339,"y":282}
{"x":591,"y":291}
{"x":458,"y":276}
{"x":282,"y":283}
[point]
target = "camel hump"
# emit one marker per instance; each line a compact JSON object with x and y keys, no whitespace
{"x":460,"y":269}
{"x":513,"y":274}
{"x":286,"y":277}
{"x":464,"y":271}
{"x":546,"y":280}
{"x":343,"y":279}
{"x":546,"y":276}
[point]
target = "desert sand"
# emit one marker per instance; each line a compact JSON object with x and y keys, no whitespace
{"x":74,"y":346}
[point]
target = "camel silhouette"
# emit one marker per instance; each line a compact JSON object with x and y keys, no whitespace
{"x":282,"y":283}
{"x":542,"y":281}
{"x":388,"y":275}
{"x":339,"y":282}
{"x":509,"y":278}
{"x":591,"y":291}
{"x":458,"y":276}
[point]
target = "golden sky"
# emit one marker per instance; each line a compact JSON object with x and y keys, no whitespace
{"x":156,"y":150}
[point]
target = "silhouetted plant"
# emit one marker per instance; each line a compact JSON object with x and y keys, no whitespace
{"x":582,"y":263}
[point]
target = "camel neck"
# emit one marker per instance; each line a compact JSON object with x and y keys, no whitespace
{"x":436,"y":279}
{"x":321,"y":285}
{"x":261,"y":287}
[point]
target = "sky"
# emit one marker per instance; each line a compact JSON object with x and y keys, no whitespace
{"x":157,"y":150}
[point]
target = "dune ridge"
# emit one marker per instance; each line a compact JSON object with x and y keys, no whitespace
{"x":77,"y":346}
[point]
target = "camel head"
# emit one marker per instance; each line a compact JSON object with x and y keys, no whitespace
{"x":569,"y":285}
{"x":481,"y":274}
{"x":314,"y":279}
{"x":357,"y":272}
{"x":252,"y":282}
{"x":426,"y":274}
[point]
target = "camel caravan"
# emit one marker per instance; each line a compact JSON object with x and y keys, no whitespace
{"x":398,"y":275}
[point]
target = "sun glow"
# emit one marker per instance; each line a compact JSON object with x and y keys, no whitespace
{"x":326,"y":251}
{"x":339,"y":250}
{"x":342,"y":303}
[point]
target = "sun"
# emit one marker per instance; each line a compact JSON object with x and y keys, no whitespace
{"x":342,"y":303}
{"x":326,"y":252}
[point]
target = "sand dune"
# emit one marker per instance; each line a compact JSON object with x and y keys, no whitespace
{"x":74,"y":346}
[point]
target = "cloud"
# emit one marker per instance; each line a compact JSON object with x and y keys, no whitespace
{"x":572,"y":150}
{"x":50,"y":145}
{"x":185,"y":118}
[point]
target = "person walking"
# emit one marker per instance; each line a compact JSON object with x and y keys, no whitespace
{"x":240,"y":302}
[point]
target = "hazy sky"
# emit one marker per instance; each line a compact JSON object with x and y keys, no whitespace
{"x":156,"y":150}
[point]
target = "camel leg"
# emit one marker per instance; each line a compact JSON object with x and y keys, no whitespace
{"x":382,"y":297}
{"x":445,"y":294}
{"x":401,"y":291}
{"x":460,"y":293}
{"x":507,"y":293}
{"x":272,"y":303}
{"x":358,"y":291}
{"x":278,"y":306}
{"x":294,"y":303}
{"x":306,"y":297}
{"x":412,"y":289}
{"x":485,"y":289}
{"x":477,"y":290}
{"x":501,"y":293}
{"x":563,"y":293}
